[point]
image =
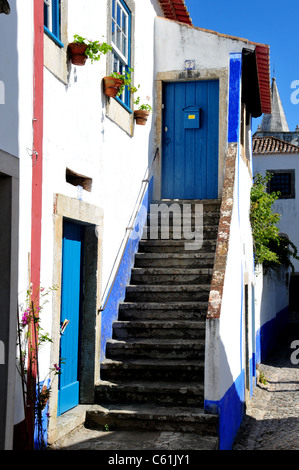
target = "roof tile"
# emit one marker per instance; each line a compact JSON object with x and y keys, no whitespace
{"x":272,"y":145}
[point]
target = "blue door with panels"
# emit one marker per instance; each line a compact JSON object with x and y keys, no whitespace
{"x":190,"y":140}
{"x":70,"y":317}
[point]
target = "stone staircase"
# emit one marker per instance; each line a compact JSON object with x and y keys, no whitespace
{"x":152,"y":378}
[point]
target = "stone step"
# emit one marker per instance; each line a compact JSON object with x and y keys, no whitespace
{"x":159,"y":329}
{"x":152,"y":418}
{"x":174,"y":260}
{"x":176,"y":247}
{"x":163,"y":311}
{"x":171,"y":276}
{"x":155,"y":348}
{"x":160,"y":392}
{"x":180,"y":370}
{"x":176,"y":232}
{"x":208,"y":204}
{"x":208,"y":218}
{"x":165,"y":293}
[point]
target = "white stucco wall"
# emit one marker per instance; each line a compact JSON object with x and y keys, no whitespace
{"x":271,"y":294}
{"x":79,"y":135}
{"x":178,"y":42}
{"x":239,"y":271}
{"x":288,"y":208}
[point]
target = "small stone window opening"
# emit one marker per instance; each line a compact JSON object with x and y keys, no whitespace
{"x":78,"y":180}
{"x":282,"y":181}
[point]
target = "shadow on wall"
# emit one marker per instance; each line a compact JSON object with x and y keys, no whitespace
{"x":231,"y":407}
{"x":9,"y":131}
{"x":9,"y":86}
{"x":4,"y":7}
{"x":274,"y":311}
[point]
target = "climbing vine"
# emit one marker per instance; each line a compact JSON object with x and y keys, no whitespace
{"x":270,"y":249}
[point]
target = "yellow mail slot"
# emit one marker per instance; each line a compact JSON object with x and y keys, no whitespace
{"x":191,"y":116}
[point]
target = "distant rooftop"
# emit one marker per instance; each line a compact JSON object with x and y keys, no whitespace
{"x":272,"y":145}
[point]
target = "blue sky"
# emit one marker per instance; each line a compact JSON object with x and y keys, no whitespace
{"x":269,"y":22}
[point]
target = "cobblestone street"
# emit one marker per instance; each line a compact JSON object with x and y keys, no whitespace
{"x":272,"y":418}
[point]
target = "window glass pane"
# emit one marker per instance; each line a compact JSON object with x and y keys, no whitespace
{"x":120,"y":23}
{"x":118,"y":38}
{"x":113,"y":31}
{"x":124,"y":23}
{"x":118,"y":15}
{"x":281,"y":182}
{"x":124,"y":51}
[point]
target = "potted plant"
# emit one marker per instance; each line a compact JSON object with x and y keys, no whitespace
{"x":141,"y":114}
{"x":115,"y":83}
{"x":81,"y":49}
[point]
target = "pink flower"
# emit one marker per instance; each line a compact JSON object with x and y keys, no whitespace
{"x":26,"y":317}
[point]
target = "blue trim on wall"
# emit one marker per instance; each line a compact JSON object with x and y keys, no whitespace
{"x":41,"y":433}
{"x":230,"y":410}
{"x":53,"y":37}
{"x":234,"y":109}
{"x":118,"y":291}
{"x":268,"y":335}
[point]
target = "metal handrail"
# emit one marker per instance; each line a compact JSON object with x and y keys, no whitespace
{"x":129,"y":228}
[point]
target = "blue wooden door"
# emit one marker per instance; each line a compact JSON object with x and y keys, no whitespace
{"x":68,"y":393}
{"x":190,"y":140}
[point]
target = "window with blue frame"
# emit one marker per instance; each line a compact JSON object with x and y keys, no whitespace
{"x":121,"y":43}
{"x":52,"y":20}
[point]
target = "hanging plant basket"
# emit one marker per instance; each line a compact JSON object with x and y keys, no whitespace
{"x":141,"y":116}
{"x":112,"y":86}
{"x":77,"y":53}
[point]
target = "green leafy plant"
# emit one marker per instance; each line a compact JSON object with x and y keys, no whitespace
{"x":270,"y":249}
{"x":126,"y":78}
{"x":94,"y":49}
{"x":145,"y":107}
{"x":261,"y":376}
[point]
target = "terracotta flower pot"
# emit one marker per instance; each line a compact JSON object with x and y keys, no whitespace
{"x":77,"y":53}
{"x":112,"y":86}
{"x":141,"y":116}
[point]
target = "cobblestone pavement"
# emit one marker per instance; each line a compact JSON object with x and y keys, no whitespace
{"x":272,"y":417}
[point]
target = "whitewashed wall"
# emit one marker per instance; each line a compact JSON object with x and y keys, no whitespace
{"x":177,"y":43}
{"x":79,"y":135}
{"x":240,"y":270}
{"x":271,"y":294}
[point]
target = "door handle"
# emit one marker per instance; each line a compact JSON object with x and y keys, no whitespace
{"x":63,"y":326}
{"x":166,"y":129}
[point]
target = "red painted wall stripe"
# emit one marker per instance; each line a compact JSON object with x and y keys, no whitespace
{"x":37,"y":157}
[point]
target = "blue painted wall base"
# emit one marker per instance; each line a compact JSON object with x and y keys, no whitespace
{"x":268,"y":336}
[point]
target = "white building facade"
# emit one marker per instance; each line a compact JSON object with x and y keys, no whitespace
{"x":87,"y":170}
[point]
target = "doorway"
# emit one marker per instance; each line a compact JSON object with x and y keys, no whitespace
{"x":190,"y":140}
{"x":70,"y":316}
